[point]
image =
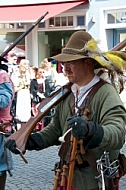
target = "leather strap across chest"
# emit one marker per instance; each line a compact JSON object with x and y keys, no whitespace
{"x":88,"y":98}
{"x":84,"y":111}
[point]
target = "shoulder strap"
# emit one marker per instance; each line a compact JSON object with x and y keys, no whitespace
{"x":88,"y":154}
{"x":91,"y":94}
{"x":88,"y":98}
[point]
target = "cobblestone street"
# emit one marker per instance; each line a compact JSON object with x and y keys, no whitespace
{"x":37,"y":174}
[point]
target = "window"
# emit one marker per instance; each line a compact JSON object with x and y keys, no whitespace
{"x":57,"y":21}
{"x":2,"y":26}
{"x":20,"y":25}
{"x":116,"y":17}
{"x":7,"y":26}
{"x":67,"y":21}
{"x":41,"y":25}
{"x":70,"y":20}
{"x":51,"y":22}
{"x":61,"y":21}
{"x":80,"y":20}
{"x":10,"y":25}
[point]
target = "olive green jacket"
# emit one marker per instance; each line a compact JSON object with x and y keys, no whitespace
{"x":106,"y":109}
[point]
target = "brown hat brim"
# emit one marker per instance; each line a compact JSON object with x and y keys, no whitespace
{"x":67,"y":57}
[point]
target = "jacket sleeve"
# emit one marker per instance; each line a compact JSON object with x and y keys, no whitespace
{"x":108,"y":110}
{"x":33,"y":88}
{"x":6,"y":94}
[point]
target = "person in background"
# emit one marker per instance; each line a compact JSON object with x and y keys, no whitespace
{"x":32,"y":71}
{"x":12,"y":62}
{"x":51,"y":76}
{"x":37,"y":87}
{"x":93,"y":112}
{"x":6,"y":96}
{"x":21,"y":84}
{"x":37,"y":91}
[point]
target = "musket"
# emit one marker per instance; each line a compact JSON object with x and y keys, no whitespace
{"x":23,"y":35}
{"x":23,"y":133}
{"x":119,"y":46}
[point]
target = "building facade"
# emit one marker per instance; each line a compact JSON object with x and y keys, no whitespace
{"x":105,"y":20}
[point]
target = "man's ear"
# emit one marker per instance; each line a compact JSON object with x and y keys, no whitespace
{"x":88,"y":63}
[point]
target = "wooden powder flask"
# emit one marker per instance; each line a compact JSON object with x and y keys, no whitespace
{"x":64,"y":175}
{"x":57,"y":179}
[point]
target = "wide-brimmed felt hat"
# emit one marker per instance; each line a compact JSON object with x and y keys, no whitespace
{"x":74,"y":48}
{"x":82,"y":45}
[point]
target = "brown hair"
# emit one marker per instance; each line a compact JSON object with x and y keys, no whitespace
{"x":44,"y":63}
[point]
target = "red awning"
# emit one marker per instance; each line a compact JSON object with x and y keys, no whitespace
{"x":30,"y":13}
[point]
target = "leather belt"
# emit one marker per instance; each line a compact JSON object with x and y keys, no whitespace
{"x":83,"y":165}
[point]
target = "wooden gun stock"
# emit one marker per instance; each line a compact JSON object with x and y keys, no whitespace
{"x":23,"y":133}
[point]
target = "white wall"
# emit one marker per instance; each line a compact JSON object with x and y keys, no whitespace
{"x":97,"y":9}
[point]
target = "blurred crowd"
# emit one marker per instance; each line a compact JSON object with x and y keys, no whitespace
{"x":32,"y":85}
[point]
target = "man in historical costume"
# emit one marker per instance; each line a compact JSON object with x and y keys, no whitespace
{"x":100,"y":125}
{"x":6,"y":96}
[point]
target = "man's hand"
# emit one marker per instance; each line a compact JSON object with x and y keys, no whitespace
{"x":34,"y":142}
{"x":91,"y":132}
{"x":11,"y":145}
{"x":79,"y":126}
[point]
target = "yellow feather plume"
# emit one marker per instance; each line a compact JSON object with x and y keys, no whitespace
{"x":119,"y":53}
{"x":101,"y":60}
{"x":117,"y":61}
{"x":92,"y":45}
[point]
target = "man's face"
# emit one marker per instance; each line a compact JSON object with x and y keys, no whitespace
{"x":13,"y":60}
{"x":75,"y":71}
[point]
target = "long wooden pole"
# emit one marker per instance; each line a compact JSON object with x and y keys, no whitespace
{"x":72,"y":162}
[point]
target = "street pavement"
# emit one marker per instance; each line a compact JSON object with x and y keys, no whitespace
{"x":38,"y":174}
